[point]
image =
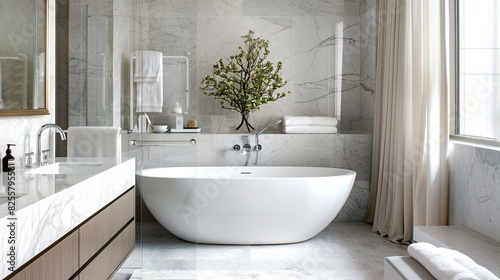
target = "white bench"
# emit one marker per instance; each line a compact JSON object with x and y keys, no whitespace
{"x":483,"y":250}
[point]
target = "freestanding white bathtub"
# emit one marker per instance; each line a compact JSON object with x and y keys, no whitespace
{"x":245,"y":205}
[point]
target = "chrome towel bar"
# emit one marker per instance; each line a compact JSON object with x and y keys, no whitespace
{"x":161,"y":143}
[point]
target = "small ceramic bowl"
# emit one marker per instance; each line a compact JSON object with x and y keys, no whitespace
{"x":159,"y":128}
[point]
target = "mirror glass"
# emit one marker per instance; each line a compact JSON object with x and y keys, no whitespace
{"x":22,"y":57}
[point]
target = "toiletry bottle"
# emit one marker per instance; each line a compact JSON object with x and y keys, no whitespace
{"x":8,"y":160}
{"x":179,"y":119}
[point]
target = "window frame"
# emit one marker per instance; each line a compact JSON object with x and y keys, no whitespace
{"x":454,"y":86}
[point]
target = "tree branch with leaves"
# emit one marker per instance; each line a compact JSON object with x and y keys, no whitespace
{"x":245,"y":81}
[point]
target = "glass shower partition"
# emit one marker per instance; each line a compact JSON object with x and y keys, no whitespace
{"x":103,"y":93}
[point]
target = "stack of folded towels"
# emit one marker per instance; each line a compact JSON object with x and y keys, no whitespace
{"x":304,"y":124}
{"x":445,"y":263}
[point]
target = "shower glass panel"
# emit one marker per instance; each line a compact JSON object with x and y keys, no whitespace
{"x":99,"y":86}
{"x":156,"y":248}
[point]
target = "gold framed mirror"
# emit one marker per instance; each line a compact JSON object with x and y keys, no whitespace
{"x":25,"y":56}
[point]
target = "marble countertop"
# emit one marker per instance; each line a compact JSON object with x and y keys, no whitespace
{"x":51,"y":205}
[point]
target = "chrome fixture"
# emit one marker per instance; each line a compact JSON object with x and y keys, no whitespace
{"x":246,"y":146}
{"x":38,"y":155}
{"x":258,"y":147}
{"x":29,"y":160}
{"x":191,"y":142}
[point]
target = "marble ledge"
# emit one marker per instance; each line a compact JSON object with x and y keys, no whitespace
{"x":482,"y":249}
{"x":55,"y":204}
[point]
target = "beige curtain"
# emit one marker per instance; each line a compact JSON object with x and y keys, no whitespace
{"x":410,"y":144}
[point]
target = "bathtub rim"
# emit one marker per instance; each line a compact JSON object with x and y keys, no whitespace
{"x":151,"y":172}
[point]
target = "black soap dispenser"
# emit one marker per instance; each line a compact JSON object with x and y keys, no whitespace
{"x":8,"y":160}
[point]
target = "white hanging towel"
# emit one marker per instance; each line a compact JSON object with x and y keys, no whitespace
{"x":94,"y":141}
{"x":149,"y":81}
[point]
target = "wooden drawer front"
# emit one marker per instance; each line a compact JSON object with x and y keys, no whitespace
{"x":60,"y":262}
{"x":95,"y":233}
{"x":103,"y":266}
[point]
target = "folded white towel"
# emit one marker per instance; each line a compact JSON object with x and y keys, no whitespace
{"x":313,"y":121}
{"x":467,"y":262}
{"x":149,"y":80}
{"x":93,"y":141}
{"x":309,"y":129}
{"x":442,"y":263}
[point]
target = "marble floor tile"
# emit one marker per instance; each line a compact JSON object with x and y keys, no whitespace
{"x":344,"y":250}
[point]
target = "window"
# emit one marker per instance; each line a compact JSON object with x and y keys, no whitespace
{"x":478,"y":48}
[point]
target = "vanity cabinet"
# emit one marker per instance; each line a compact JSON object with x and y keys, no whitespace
{"x":94,"y":250}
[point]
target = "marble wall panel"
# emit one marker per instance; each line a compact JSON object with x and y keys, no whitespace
{"x":168,"y":8}
{"x":353,"y":151}
{"x":315,"y":60}
{"x":168,"y":34}
{"x":219,"y":37}
{"x":474,"y":189}
{"x":220,"y":8}
{"x":299,"y":8}
{"x":368,"y":54}
{"x":354,"y":209}
{"x":295,"y":150}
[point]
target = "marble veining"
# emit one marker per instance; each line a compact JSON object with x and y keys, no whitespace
{"x":474,"y":191}
{"x":298,"y":8}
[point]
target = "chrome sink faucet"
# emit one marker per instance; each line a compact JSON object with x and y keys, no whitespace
{"x":38,"y":155}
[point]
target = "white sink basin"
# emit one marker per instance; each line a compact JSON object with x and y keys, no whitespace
{"x":67,"y":168}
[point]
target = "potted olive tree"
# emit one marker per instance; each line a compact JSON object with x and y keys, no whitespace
{"x":245,"y":81}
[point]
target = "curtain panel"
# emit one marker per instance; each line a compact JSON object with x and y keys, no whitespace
{"x":410,"y":144}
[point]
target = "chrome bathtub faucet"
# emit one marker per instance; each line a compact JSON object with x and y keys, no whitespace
{"x":258,"y":146}
{"x":246,"y":146}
